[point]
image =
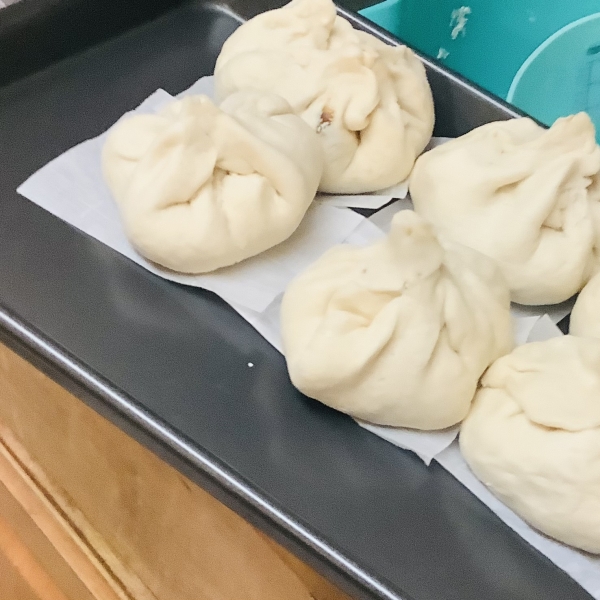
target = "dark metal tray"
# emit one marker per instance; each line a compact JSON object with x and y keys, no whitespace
{"x":168,"y":364}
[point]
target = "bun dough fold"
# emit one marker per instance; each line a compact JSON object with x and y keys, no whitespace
{"x":527,"y":197}
{"x":533,"y":437}
{"x":200,"y":187}
{"x":370,"y":103}
{"x":585,"y":318}
{"x":397,"y":333}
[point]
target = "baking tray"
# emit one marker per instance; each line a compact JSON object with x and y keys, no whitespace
{"x":169,"y":364}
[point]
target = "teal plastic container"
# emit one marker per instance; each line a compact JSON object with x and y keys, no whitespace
{"x":541,"y":55}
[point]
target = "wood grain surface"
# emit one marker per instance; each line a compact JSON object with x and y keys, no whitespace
{"x":149,"y":532}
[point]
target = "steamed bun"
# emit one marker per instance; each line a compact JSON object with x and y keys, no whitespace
{"x":585,"y":318}
{"x":397,"y":333}
{"x":200,"y":187}
{"x":369,"y":102}
{"x":525,"y":196}
{"x":533,"y":437}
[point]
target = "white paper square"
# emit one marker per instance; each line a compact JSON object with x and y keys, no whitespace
{"x":72,"y":188}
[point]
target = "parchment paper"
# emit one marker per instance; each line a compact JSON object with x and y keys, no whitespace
{"x":72,"y":188}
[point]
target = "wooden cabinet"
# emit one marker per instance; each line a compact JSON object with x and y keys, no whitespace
{"x":88,"y":513}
